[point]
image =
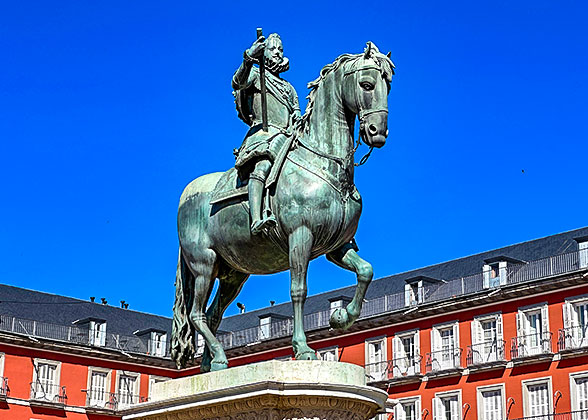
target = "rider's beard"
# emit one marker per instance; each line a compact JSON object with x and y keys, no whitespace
{"x":276,"y":67}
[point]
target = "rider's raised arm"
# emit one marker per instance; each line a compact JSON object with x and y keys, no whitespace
{"x":243,"y":77}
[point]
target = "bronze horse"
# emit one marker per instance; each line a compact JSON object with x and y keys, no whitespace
{"x":314,"y":199}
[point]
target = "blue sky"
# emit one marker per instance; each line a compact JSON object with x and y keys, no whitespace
{"x":108,"y":109}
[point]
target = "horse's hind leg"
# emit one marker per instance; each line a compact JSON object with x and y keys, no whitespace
{"x":230,"y":284}
{"x":203,"y":267}
{"x":300,"y":244}
{"x":347,"y":257}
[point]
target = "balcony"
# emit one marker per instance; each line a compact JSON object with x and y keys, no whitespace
{"x":486,"y":356}
{"x":47,"y":394}
{"x":572,"y":415}
{"x":126,"y":399}
{"x":98,"y":400}
{"x":573,"y":341}
{"x":531,"y":348}
{"x":4,"y":389}
{"x":397,"y":371}
{"x":446,"y":362}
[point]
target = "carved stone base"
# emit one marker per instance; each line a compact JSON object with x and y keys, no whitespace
{"x":275,"y":390}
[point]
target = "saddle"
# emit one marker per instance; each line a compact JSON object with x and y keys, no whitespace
{"x":230,"y":186}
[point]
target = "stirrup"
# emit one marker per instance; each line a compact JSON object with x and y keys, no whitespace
{"x":264,"y":224}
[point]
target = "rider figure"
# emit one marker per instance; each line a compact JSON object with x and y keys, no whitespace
{"x":260,"y":148}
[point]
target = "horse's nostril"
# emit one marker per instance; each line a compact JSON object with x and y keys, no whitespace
{"x":372,"y":129}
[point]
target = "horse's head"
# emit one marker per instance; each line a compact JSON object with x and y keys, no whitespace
{"x":365,"y":93}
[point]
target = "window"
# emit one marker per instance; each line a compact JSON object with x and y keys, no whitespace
{"x":336,"y":304}
{"x":579,"y":394}
{"x":533,"y":336}
{"x":155,"y":380}
{"x":200,"y":344}
{"x":445,"y":352}
{"x":575,"y":312}
{"x":97,"y":333}
{"x":536,"y":398}
{"x":330,"y":354}
{"x":98,"y":387}
{"x":494,"y":274}
{"x":158,"y":343}
{"x":447,"y":406}
{"x":491,"y":403}
{"x":264,"y":327}
{"x":408,"y":409}
{"x":583,"y":253}
{"x":127,"y":389}
{"x":406,"y":359}
{"x":413,"y":293}
{"x":45,"y":384}
{"x":487,"y":342}
{"x":376,"y":359}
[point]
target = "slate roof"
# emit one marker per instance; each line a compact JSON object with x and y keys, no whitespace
{"x":44,"y":307}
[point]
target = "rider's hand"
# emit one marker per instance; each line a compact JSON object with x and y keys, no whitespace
{"x":256,"y":50}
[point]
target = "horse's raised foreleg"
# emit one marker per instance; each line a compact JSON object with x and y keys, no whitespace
{"x":203,"y":267}
{"x":230,"y":284}
{"x":347,"y":257}
{"x":300,"y":243}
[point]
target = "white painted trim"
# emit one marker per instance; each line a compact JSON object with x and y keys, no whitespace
{"x":2,"y":361}
{"x":525,"y":391}
{"x":479,"y":399}
{"x":573,"y":392}
{"x":452,"y":393}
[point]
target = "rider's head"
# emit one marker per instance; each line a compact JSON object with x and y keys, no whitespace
{"x":274,"y":54}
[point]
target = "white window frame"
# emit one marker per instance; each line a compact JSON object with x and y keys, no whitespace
{"x":265,"y":328}
{"x":2,"y":359}
{"x":526,"y":400}
{"x":108,"y":386}
{"x":583,"y":254}
{"x":154,"y":379}
{"x":400,"y":360}
{"x":576,"y":335}
{"x":490,"y":281}
{"x":97,"y":333}
{"x":56,"y":380}
{"x":413,"y":293}
{"x":157,"y":343}
{"x":377,"y":373}
{"x":524,"y":334}
{"x":118,"y":391}
{"x":328,"y":350}
{"x":334,"y":305}
{"x":446,"y":394}
{"x":573,"y":390}
{"x":480,"y":345}
{"x":437,"y":347}
{"x":200,"y":344}
{"x":480,"y":400}
{"x":417,"y":402}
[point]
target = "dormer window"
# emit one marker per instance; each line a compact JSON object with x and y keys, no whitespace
{"x":582,"y":251}
{"x":273,"y":325}
{"x":158,"y":343}
{"x":265,"y":327}
{"x":338,"y":302}
{"x":495,"y":271}
{"x":416,"y":289}
{"x":96,"y":330}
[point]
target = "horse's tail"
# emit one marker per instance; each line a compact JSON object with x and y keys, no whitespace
{"x":183,"y":333}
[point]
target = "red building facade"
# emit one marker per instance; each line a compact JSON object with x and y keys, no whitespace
{"x":499,"y":335}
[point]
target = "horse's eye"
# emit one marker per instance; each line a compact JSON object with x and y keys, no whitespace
{"x":367,"y":85}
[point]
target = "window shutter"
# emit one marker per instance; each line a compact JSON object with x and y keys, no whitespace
{"x":583,"y":254}
{"x":407,"y":295}
{"x":438,"y":413}
{"x":499,"y":334}
{"x":474,"y":326}
{"x":486,"y":274}
{"x":456,"y":335}
{"x":567,"y":315}
{"x":502,"y":272}
{"x":544,"y":319}
{"x":435,"y":340}
{"x":417,"y":409}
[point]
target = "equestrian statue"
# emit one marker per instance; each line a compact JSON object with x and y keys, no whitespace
{"x":289,"y":199}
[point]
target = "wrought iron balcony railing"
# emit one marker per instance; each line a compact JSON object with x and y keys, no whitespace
{"x":531,"y":345}
{"x":126,"y":399}
{"x":573,"y":338}
{"x":98,"y":398}
{"x":571,"y":415}
{"x":4,"y":389}
{"x":445,"y":359}
{"x":401,"y":367}
{"x":47,"y":392}
{"x":484,"y":353}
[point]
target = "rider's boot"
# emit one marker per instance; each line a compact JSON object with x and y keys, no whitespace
{"x":255,"y":189}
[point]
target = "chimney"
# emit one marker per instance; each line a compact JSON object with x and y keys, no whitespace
{"x":92,"y":299}
{"x":122,"y":304}
{"x":241,"y":307}
{"x":104,"y":301}
{"x":272,"y":302}
{"x":126,"y":306}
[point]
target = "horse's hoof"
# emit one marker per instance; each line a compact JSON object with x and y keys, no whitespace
{"x":306,"y":355}
{"x":340,"y":319}
{"x":205,"y":363}
{"x":215,"y":366}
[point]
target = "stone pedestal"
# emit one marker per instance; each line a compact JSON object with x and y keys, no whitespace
{"x":273,"y":390}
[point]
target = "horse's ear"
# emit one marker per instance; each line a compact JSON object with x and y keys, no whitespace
{"x":367,"y":52}
{"x":389,"y":55}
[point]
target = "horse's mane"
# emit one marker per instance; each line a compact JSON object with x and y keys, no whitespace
{"x":386,"y":66}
